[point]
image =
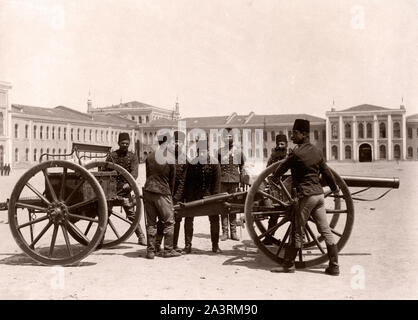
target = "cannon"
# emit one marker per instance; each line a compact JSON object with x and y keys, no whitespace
{"x":269,"y":208}
{"x":60,"y":210}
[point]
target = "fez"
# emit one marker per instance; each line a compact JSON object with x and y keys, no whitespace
{"x":301,"y":125}
{"x":123,"y":136}
{"x":281,"y":138}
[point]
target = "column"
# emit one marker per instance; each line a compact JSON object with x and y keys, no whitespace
{"x":403,"y":136}
{"x":375,"y":134}
{"x":389,"y":147}
{"x":353,"y":133}
{"x":340,"y":137}
{"x":133,"y":140}
{"x":327,"y":133}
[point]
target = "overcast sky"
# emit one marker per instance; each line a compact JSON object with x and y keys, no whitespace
{"x":288,"y":56}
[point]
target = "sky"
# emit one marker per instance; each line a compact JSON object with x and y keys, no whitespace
{"x":216,"y":57}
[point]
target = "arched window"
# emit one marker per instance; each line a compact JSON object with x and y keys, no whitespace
{"x":16,"y":155}
{"x":90,"y":134}
{"x":41,"y":132}
{"x":34,"y":132}
{"x":348,"y":152}
{"x":397,"y":151}
{"x":85,"y":134}
{"x":53,"y":151}
{"x":26,"y":131}
{"x":334,"y":131}
{"x":410,"y":152}
{"x":347,"y":130}
{"x":334,"y":153}
{"x":360,"y":131}
{"x":65,"y":133}
{"x":47,"y":132}
{"x":95,"y":136}
{"x":369,"y":130}
{"x":35,"y":156}
{"x":27,"y":154}
{"x":72,"y":134}
{"x":396,"y":130}
{"x":107,"y":136}
{"x":59,"y":152}
{"x":382,"y":130}
{"x":59,"y":133}
{"x":53,"y":133}
{"x":78,"y":134}
{"x":147,"y":119}
{"x":101,"y":135}
{"x":16,"y":131}
{"x":382,"y":151}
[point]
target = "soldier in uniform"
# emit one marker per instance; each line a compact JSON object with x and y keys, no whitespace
{"x":232,"y":164}
{"x":158,"y":203}
{"x":129,"y":161}
{"x":306,"y":163}
{"x":278,"y":153}
{"x":202,"y":179}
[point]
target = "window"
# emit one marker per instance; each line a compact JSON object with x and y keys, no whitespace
{"x":65,"y":133}
{"x":396,"y":130}
{"x":1,"y":127}
{"x":334,"y":153}
{"x":107,"y":136}
{"x":397,"y":151}
{"x":26,"y":131}
{"x":95,"y":136}
{"x":34,"y":132}
{"x":382,"y":152}
{"x":409,"y":133}
{"x":140,"y":119}
{"x":41,"y":132}
{"x":16,"y":155}
{"x":53,"y":151}
{"x":369,"y":130}
{"x":273,"y":136}
{"x":16,"y":131}
{"x":27,"y":154}
{"x":133,"y":118}
{"x":324,"y":135}
{"x":360,"y":132}
{"x":147,"y":119}
{"x":316,"y":134}
{"x":90,"y":134}
{"x":85,"y":134}
{"x":348,"y":152}
{"x":334,"y":131}
{"x":264,"y":135}
{"x":53,"y":133}
{"x":59,"y":152}
{"x":59,"y":133}
{"x":72,"y":134}
{"x":382,"y":130}
{"x":101,"y":135}
{"x":347,"y":131}
{"x":34,"y":155}
{"x":78,"y":134}
{"x":47,"y":132}
{"x":265,"y":152}
{"x":410,"y":152}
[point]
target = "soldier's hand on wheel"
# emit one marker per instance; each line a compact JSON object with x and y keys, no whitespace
{"x":126,"y":186}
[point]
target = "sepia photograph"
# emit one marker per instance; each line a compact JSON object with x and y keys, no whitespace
{"x":223,"y":150}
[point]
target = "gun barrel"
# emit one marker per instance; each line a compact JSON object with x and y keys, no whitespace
{"x":372,"y":182}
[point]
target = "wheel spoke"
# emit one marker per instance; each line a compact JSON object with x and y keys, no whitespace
{"x":273,"y":229}
{"x":308,"y":228}
{"x":32,"y":222}
{"x":272,"y":198}
{"x":67,"y":240}
{"x":120,"y":217}
{"x":24,"y":205}
{"x":78,"y":231}
{"x":53,"y":239}
{"x":39,"y":194}
{"x":71,"y":195}
{"x":39,"y":236}
{"x":49,"y":185}
{"x":88,"y":228}
{"x":63,"y":180}
{"x":82,"y":204}
{"x":77,"y":216}
{"x":286,"y":235}
{"x":113,"y":228}
{"x":336,"y":233}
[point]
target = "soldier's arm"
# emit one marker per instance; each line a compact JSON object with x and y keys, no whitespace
{"x":284,"y":166}
{"x":134,"y":167}
{"x":328,"y":176}
{"x":179,"y":195}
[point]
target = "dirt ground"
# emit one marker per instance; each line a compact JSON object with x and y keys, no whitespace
{"x":380,"y":260}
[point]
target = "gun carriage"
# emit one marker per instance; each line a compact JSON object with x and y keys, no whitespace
{"x":81,"y":201}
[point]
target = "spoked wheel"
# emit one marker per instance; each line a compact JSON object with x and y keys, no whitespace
{"x":120,"y":224}
{"x":44,"y":206}
{"x":262,"y":204}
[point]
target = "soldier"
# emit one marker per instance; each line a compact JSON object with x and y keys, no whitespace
{"x":232,"y":164}
{"x":306,"y":164}
{"x":278,"y":153}
{"x":202,"y":179}
{"x":129,"y":161}
{"x":158,"y":203}
{"x":178,"y":195}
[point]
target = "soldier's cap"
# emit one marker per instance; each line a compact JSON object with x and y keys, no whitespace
{"x":301,"y":125}
{"x":179,"y":136}
{"x":281,"y":138}
{"x":123,"y":136}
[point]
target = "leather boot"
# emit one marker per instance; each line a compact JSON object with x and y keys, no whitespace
{"x":333,"y":267}
{"x":288,"y":265}
{"x":224,"y":223}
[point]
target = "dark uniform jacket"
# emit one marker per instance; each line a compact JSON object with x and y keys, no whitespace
{"x":127,"y":160}
{"x":178,"y":192}
{"x":230,"y":171}
{"x":276,"y":155}
{"x":201,"y":180}
{"x":306,"y":163}
{"x":160,"y":177}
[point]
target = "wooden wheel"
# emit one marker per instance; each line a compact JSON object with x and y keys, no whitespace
{"x":41,"y":221}
{"x":262,"y":204}
{"x":120,"y":226}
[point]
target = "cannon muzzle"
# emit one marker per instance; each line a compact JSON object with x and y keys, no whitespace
{"x":371,"y":182}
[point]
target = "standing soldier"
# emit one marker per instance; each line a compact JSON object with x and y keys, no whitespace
{"x":202,"y":179}
{"x":158,"y":203}
{"x":278,"y":153}
{"x":306,"y":164}
{"x":232,"y":163}
{"x":129,"y":161}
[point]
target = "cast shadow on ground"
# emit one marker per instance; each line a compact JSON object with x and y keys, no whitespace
{"x":21,"y":259}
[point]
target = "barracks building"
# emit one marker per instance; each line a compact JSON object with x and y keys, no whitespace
{"x":361,"y":133}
